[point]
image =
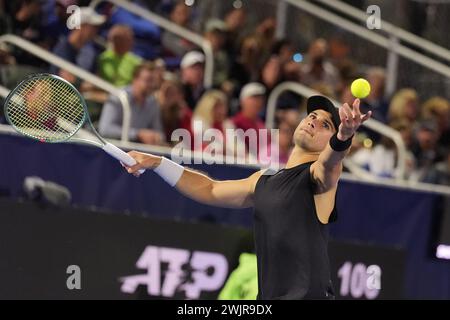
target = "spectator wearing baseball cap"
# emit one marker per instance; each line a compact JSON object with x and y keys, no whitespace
{"x":252,"y":99}
{"x":77,"y":47}
{"x":192,"y":73}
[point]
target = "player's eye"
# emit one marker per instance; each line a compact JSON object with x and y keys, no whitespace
{"x":326,"y":126}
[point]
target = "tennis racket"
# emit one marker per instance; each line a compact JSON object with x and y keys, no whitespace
{"x":49,"y":109}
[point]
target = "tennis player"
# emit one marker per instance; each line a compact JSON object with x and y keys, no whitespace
{"x":291,"y":207}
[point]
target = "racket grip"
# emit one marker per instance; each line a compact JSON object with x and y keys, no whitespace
{"x":120,"y":155}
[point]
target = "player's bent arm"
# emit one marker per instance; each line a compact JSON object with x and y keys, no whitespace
{"x":327,"y":169}
{"x":200,"y":187}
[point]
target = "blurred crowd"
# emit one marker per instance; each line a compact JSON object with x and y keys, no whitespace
{"x":163,"y":76}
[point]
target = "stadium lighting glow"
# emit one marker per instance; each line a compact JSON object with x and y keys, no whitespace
{"x":443,"y":252}
{"x":237,"y":4}
{"x":297,"y":57}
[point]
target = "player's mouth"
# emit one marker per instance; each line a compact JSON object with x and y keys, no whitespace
{"x":307,"y":131}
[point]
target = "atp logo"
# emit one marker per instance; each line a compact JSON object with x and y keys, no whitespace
{"x":171,"y":271}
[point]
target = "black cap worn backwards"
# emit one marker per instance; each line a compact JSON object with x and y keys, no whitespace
{"x":323,"y":103}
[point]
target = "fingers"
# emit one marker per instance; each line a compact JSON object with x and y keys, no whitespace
{"x":346,"y":111}
{"x":342,"y":114}
{"x":354,"y":114}
{"x":133,"y":169}
{"x":346,"y":115}
{"x":366,"y":116}
{"x":356,"y":109}
{"x":134,"y":154}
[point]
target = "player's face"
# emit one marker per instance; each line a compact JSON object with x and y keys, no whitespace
{"x":314,"y":132}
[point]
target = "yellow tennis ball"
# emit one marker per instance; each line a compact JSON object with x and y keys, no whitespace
{"x":360,"y":88}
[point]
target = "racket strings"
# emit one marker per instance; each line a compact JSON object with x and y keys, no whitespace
{"x":25,"y":115}
{"x":46,"y":108}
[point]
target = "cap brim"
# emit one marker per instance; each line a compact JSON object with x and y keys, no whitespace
{"x":322,"y":103}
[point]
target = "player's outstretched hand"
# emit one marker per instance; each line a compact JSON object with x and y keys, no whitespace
{"x":351,"y":119}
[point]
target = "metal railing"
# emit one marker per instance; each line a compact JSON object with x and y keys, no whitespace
{"x":390,"y":43}
{"x":390,"y":29}
{"x":371,"y":124}
{"x":3,"y":91}
{"x":171,"y":27}
{"x":80,"y":73}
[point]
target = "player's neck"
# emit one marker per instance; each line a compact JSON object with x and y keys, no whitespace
{"x":299,"y":156}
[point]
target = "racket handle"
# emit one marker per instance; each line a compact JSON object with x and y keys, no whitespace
{"x":120,"y":155}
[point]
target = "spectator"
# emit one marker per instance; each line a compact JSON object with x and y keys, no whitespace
{"x":235,"y":21}
{"x":145,"y":123}
{"x":252,"y":99}
{"x":290,"y":100}
{"x":265,"y":33}
{"x":159,"y":74}
{"x":284,"y":49}
{"x":339,"y":56}
{"x":192,"y":73}
{"x":246,"y":67}
{"x":117,"y":64}
{"x":211,"y":111}
{"x":317,"y":69}
{"x":147,"y":35}
{"x":54,"y":21}
{"x":175,"y":113}
{"x":22,"y":18}
{"x":216,"y":35}
{"x":339,"y":50}
{"x":404,"y":105}
{"x":381,"y":160}
{"x":376,"y":101}
{"x":438,"y":109}
{"x":276,"y":70}
{"x":425,"y":147}
{"x":440,"y":172}
{"x":77,"y":47}
{"x":271,"y":73}
{"x":172,"y":43}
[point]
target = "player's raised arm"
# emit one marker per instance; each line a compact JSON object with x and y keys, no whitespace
{"x":327,"y":169}
{"x":198,"y":186}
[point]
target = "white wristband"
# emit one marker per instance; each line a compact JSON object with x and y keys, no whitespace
{"x":170,"y":171}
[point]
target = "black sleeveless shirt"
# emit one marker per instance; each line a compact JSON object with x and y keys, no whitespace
{"x":291,"y":243}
